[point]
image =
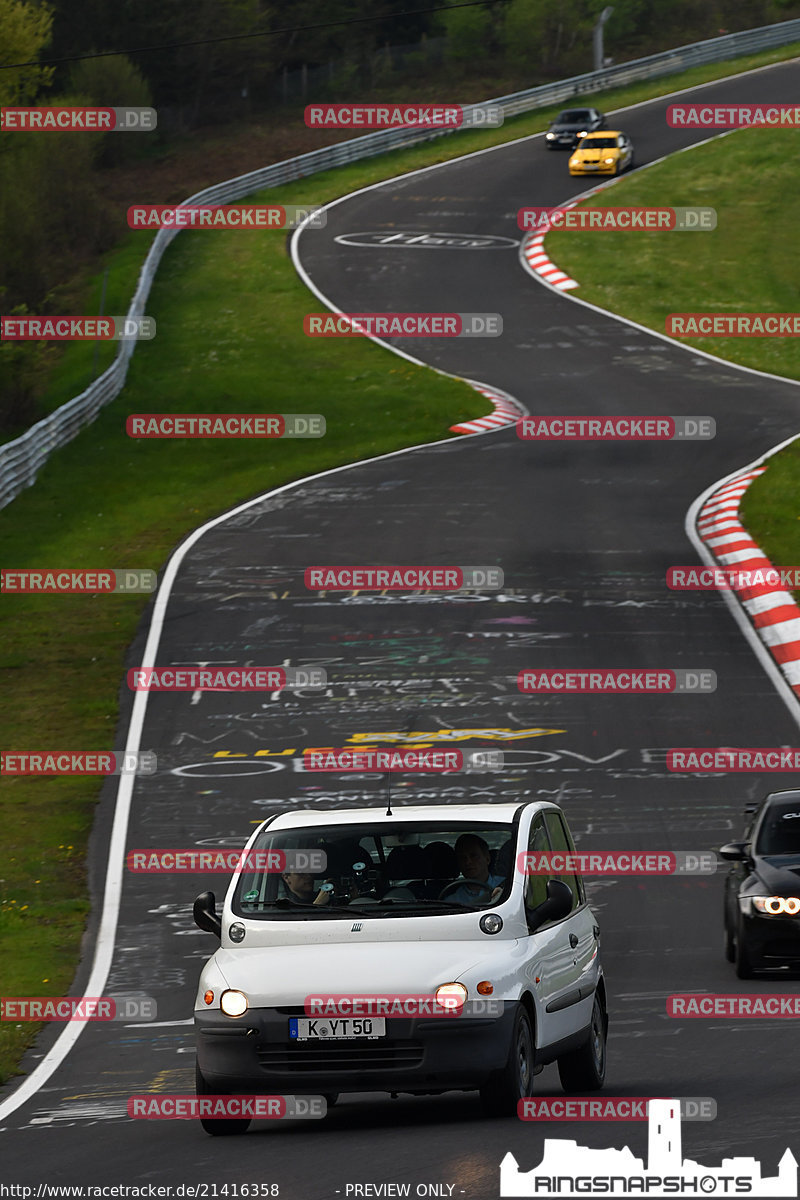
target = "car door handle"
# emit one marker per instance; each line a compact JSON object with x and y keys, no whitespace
{"x":573,"y":940}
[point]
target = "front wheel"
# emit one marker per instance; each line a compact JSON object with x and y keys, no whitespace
{"x":505,"y":1088}
{"x":742,"y":959}
{"x":584,"y":1070}
{"x":217,"y":1126}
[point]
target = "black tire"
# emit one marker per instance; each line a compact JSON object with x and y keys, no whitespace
{"x":584,"y":1070}
{"x":502,"y":1092}
{"x":217,"y":1126}
{"x":742,"y":957}
{"x":728,"y":940}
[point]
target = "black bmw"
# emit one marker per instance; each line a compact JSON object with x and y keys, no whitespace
{"x":762,"y":889}
{"x":571,"y":125}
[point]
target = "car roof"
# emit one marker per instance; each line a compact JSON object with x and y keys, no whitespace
{"x":474,"y":813}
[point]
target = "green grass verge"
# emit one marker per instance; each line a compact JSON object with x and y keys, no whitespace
{"x":229,"y":309}
{"x":770,"y":509}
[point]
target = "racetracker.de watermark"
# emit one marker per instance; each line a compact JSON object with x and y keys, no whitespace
{"x":403,"y":325}
{"x":616,"y":429}
{"x":78,"y":762}
{"x":617,"y":862}
{"x":77,"y":329}
{"x":610,"y":1108}
{"x":225,"y":425}
{"x":705,"y":579}
{"x":225,"y":216}
{"x":54,"y":580}
{"x":616,"y":681}
{"x":720,"y":324}
{"x":54,"y":119}
{"x":258,"y":1108}
{"x":224,"y":679}
{"x":410,"y":115}
{"x":401,"y":579}
{"x":617,"y":219}
{"x":733,"y":758}
{"x":732,"y":116}
{"x":78,"y":1008}
{"x":400,"y":1004}
{"x":399,"y":759}
{"x":725,"y":1004}
{"x":193,"y":861}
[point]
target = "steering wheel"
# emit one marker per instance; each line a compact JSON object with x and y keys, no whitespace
{"x":457,"y":883}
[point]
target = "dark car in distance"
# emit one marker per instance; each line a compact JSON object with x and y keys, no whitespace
{"x":571,"y":125}
{"x":762,"y":889}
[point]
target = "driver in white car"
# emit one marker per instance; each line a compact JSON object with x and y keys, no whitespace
{"x":473,"y":857}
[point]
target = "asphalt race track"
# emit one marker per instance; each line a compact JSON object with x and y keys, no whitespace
{"x":584,"y":534}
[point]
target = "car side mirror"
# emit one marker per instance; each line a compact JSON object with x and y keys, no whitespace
{"x":205,"y":914}
{"x":557,"y":905}
{"x":735,"y":851}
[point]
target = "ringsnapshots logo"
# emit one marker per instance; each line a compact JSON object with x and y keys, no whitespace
{"x":78,"y":762}
{"x":126,"y":1007}
{"x":225,"y":425}
{"x":616,"y":681}
{"x":610,"y":1108}
{"x":402,"y":579}
{"x":51,"y":119}
{"x":160,"y":1107}
{"x":398,"y":758}
{"x":567,"y":1169}
{"x":225,"y":679}
{"x":616,"y":429}
{"x":58,"y":580}
{"x":732,"y":116}
{"x":77,"y":329}
{"x":617,"y":219}
{"x":225,"y":216}
{"x":410,"y":115}
{"x":721,"y":324}
{"x":194,"y":861}
{"x":453,"y":325}
{"x":617,"y":862}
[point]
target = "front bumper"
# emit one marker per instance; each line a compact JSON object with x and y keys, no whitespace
{"x":773,"y":940}
{"x":598,"y":169}
{"x":254,"y":1054}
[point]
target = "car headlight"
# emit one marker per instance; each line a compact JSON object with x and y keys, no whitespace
{"x":583,"y":134}
{"x":608,"y":160}
{"x":233,"y":1003}
{"x":550,"y":137}
{"x":776,"y":906}
{"x":451,"y":995}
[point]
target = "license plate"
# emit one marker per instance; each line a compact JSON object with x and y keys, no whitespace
{"x":327,"y":1029}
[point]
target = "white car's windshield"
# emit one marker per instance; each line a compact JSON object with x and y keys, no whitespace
{"x":380,"y":868}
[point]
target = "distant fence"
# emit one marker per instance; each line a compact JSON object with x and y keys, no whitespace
{"x":22,"y":459}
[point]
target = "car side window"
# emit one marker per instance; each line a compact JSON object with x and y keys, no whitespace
{"x":536,"y":887}
{"x":561,"y":840}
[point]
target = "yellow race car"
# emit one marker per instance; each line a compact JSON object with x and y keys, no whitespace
{"x":603,"y":153}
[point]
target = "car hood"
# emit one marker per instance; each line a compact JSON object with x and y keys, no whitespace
{"x":285,"y":975}
{"x":780,"y":873}
{"x":596,"y":155}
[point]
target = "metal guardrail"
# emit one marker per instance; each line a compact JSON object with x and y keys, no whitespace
{"x":21,"y":459}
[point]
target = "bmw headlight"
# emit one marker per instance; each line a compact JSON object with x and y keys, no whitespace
{"x":583,"y":134}
{"x":233,"y":1003}
{"x":608,"y":160}
{"x":551,"y":137}
{"x":776,"y":906}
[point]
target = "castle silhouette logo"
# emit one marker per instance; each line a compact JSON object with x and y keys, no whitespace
{"x":568,"y":1169}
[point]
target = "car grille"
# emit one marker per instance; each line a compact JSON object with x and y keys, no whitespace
{"x":367,"y":1056}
